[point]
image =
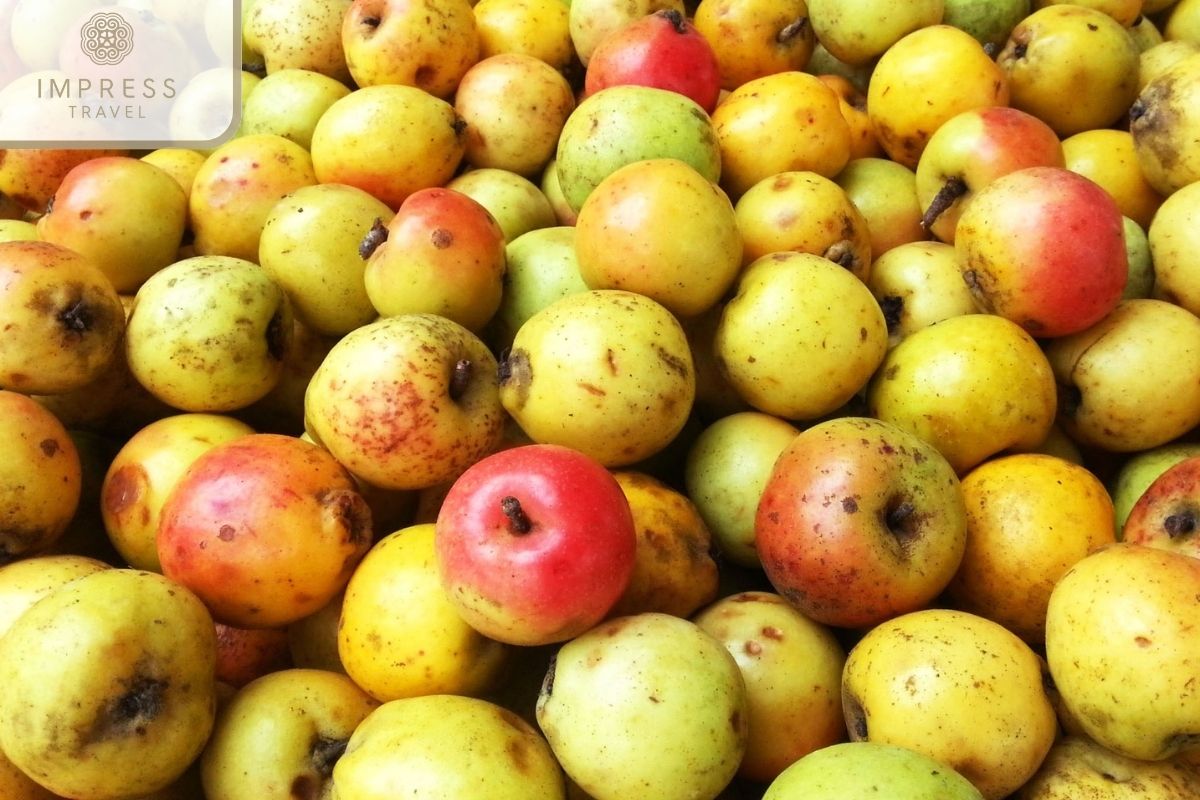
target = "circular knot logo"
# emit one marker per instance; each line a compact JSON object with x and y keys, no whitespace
{"x":106,"y":38}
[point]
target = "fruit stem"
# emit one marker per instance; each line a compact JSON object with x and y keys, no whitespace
{"x":518,"y":520}
{"x":1180,"y":524}
{"x":951,"y":190}
{"x":375,"y":237}
{"x":676,"y":19}
{"x":325,"y":753}
{"x":77,"y":318}
{"x":459,"y":378}
{"x":897,"y":516}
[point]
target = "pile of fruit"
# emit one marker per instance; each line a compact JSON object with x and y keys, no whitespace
{"x":615,"y":399}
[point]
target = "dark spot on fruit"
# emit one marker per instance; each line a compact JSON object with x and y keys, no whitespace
{"x":227,"y":533}
{"x":324,"y":753}
{"x":752,"y":648}
{"x":672,"y":361}
{"x":856,"y":717}
{"x":140,"y":704}
{"x":460,"y":378}
{"x":548,"y":681}
{"x":277,"y":337}
{"x":1142,"y":641}
{"x":1180,"y":524}
{"x":441,"y":238}
{"x":771,"y":632}
{"x":304,"y":787}
{"x":49,"y":447}
{"x":77,"y":318}
{"x":1093,"y":26}
{"x":849,"y":505}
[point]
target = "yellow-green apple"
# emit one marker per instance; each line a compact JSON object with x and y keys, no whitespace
{"x":747,"y":122}
{"x":623,"y":124}
{"x":310,"y":247}
{"x":143,"y":472}
{"x":956,"y":687}
{"x":1140,"y":283}
{"x":449,"y":745}
{"x":265,"y":529}
{"x":1182,"y":21}
{"x":606,"y":371}
{"x":859,"y":522}
{"x":298,"y":34}
{"x":112,"y":693}
{"x":280,"y":736}
{"x":40,"y":478}
{"x":885,"y":194}
{"x":541,"y":267}
{"x":245,"y":654}
{"x":663,"y":49}
{"x":62,"y":319}
{"x":18,"y":230}
{"x":538,"y":28}
{"x":1122,"y":634}
{"x":972,"y":385}
{"x":1158,"y":59}
{"x":660,"y":228}
{"x":674,"y":571}
{"x":591,"y":21}
{"x":1030,"y":517}
{"x":535,"y":544}
{"x":1172,"y":236}
{"x":209,"y":333}
{"x":313,"y":640}
{"x":289,"y":102}
{"x":406,"y":402}
{"x":855,"y":769}
{"x":1140,"y":470}
{"x":972,"y":149}
{"x":1106,"y":399}
{"x":30,"y":176}
{"x":514,"y":201}
{"x":727,"y":467}
{"x":1077,"y":767}
{"x":550,"y":186}
{"x":428,"y":44}
{"x":399,"y":634}
{"x":801,"y":336}
{"x":755,"y":38}
{"x":180,"y":163}
{"x":442,"y":253}
{"x":26,"y":581}
{"x":990,"y":23}
{"x":237,"y":187}
{"x":1057,"y":49}
{"x":126,"y":215}
{"x":388,"y":141}
{"x":918,"y":284}
{"x":805,"y":212}
{"x":1167,"y":514}
{"x":909,"y":97}
{"x":860,"y":32}
{"x":792,"y":668}
{"x":1044,"y":247}
{"x":514,"y":107}
{"x":649,"y":704}
{"x":1109,"y":158}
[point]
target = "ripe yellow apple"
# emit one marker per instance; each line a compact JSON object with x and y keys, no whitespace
{"x":538,"y":28}
{"x":956,"y":687}
{"x":181,"y":164}
{"x":24,"y":582}
{"x":853,"y":104}
{"x":971,"y":385}
{"x":885,"y":193}
{"x":859,"y":32}
{"x":755,"y":38}
{"x":1030,"y":517}
{"x":1158,"y":59}
{"x":1173,"y":234}
{"x":1077,"y":767}
{"x":1183,"y":22}
{"x":1163,"y":111}
{"x":1125,"y":12}
{"x":400,"y":636}
{"x":1109,"y":158}
{"x":289,"y":102}
{"x":918,"y":284}
{"x":297,"y":34}
{"x":792,"y":668}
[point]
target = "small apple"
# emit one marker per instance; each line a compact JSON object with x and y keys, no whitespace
{"x":535,"y":544}
{"x":852,"y":769}
{"x":289,"y":102}
{"x":538,"y":28}
{"x":297,"y":34}
{"x":1078,"y":767}
{"x":542,"y":268}
{"x":918,"y":284}
{"x":1167,"y":103}
{"x":755,"y":38}
{"x":1140,"y":470}
{"x":514,"y":201}
{"x":1167,"y":514}
{"x":591,"y":21}
{"x":859,"y":33}
{"x":1171,"y":235}
{"x":860,"y":521}
{"x":28,"y":580}
{"x":245,"y":654}
{"x":885,"y":194}
{"x":990,"y":23}
{"x":30,"y":176}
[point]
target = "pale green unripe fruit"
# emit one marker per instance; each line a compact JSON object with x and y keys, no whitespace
{"x":606,"y":372}
{"x":209,"y":333}
{"x":856,"y":31}
{"x":646,"y":706}
{"x":856,"y":769}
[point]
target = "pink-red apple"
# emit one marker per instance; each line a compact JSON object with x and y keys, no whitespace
{"x":860,"y":521}
{"x":663,"y":50}
{"x":535,"y":544}
{"x":1044,"y":247}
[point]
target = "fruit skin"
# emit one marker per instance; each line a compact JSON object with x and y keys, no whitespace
{"x":1030,"y":517}
{"x":1164,"y":109}
{"x":1140,"y":470}
{"x":297,"y":34}
{"x":1171,"y":236}
{"x":289,"y":102}
{"x":1167,"y":514}
{"x":30,"y":177}
{"x":973,"y":385}
{"x":859,"y":522}
{"x":1109,"y":158}
{"x":577,"y":375}
{"x":1045,"y":248}
{"x":535,"y":544}
{"x":279,"y":737}
{"x":956,"y":687}
{"x":1077,"y":767}
{"x":646,"y":705}
{"x":1126,"y":616}
{"x":859,"y":32}
{"x":266,"y":529}
{"x":918,"y":284}
{"x":755,"y":38}
{"x":591,"y":21}
{"x":885,"y":193}
{"x":850,"y":769}
{"x":400,"y":636}
{"x":24,"y":582}
{"x":792,"y":667}
{"x":40,"y":477}
{"x":61,"y":317}
{"x":406,"y":402}
{"x":112,"y":683}
{"x":447,"y":746}
{"x":1108,"y":402}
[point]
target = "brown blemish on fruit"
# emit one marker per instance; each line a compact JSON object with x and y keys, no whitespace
{"x":752,"y":648}
{"x":49,"y":447}
{"x":124,"y":488}
{"x":141,"y":703}
{"x":441,"y":238}
{"x":518,"y":752}
{"x":349,"y":512}
{"x":671,"y":361}
{"x":227,"y":533}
